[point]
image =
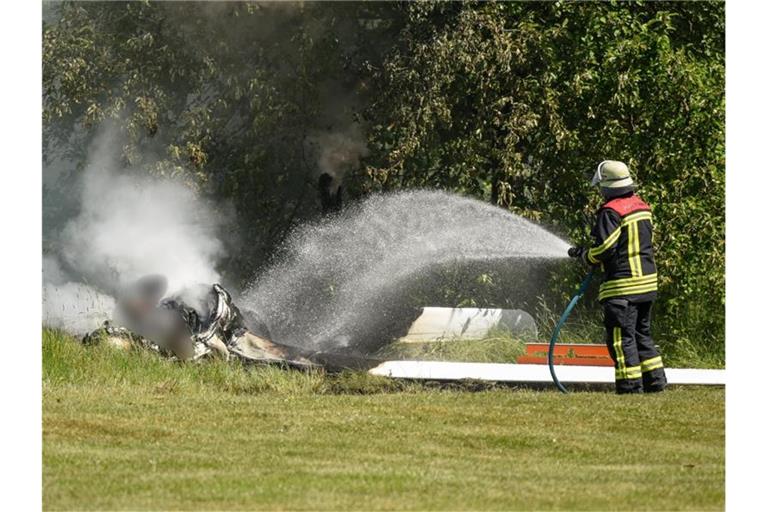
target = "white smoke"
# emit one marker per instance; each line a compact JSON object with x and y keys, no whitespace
{"x":129,"y":225}
{"x":338,"y":152}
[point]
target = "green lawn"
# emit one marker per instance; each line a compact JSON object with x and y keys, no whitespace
{"x":131,"y":431}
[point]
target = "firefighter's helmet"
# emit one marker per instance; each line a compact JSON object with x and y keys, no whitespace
{"x":612,"y":174}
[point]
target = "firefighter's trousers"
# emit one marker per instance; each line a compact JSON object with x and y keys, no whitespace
{"x":628,"y":336}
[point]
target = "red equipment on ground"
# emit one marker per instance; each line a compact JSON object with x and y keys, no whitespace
{"x":582,"y":354}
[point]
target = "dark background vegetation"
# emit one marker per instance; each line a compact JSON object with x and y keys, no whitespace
{"x":506,"y":102}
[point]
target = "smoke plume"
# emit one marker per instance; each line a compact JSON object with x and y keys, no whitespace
{"x":338,"y":152}
{"x":129,"y":224}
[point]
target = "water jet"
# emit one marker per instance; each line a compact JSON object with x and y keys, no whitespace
{"x":341,"y":282}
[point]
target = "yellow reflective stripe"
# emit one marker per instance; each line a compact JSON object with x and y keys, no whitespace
{"x":620,"y":364}
{"x":638,"y":263}
{"x":633,"y":233}
{"x":630,"y":222}
{"x":627,"y":291}
{"x":633,"y":372}
{"x":629,"y":281}
{"x":635,"y":217}
{"x":625,"y":286}
{"x":633,"y":249}
{"x":637,"y":252}
{"x":630,"y":287}
{"x":651,"y":364}
{"x":607,"y":243}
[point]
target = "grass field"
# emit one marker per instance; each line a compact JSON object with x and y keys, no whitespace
{"x":127,"y":430}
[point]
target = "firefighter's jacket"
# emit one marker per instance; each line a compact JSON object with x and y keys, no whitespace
{"x":623,"y":236}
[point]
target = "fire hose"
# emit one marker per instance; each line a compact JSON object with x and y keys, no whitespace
{"x":550,"y":355}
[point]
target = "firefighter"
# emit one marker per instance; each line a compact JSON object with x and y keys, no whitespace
{"x":623,"y":249}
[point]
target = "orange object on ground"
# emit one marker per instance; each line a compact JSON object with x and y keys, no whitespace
{"x":584,"y":354}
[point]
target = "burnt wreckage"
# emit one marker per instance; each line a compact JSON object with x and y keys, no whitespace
{"x":201,"y":323}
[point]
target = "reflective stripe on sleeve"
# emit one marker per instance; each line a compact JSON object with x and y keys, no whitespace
{"x":607,"y":244}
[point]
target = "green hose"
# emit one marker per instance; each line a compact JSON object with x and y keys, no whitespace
{"x":556,"y":333}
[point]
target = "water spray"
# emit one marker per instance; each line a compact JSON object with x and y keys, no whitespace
{"x":344,"y":281}
{"x":550,"y":355}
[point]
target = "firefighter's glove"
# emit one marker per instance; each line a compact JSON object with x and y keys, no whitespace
{"x":579,"y":253}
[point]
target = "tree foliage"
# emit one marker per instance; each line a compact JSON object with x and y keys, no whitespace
{"x":514,"y":101}
{"x":220,"y":95}
{"x":506,"y":101}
